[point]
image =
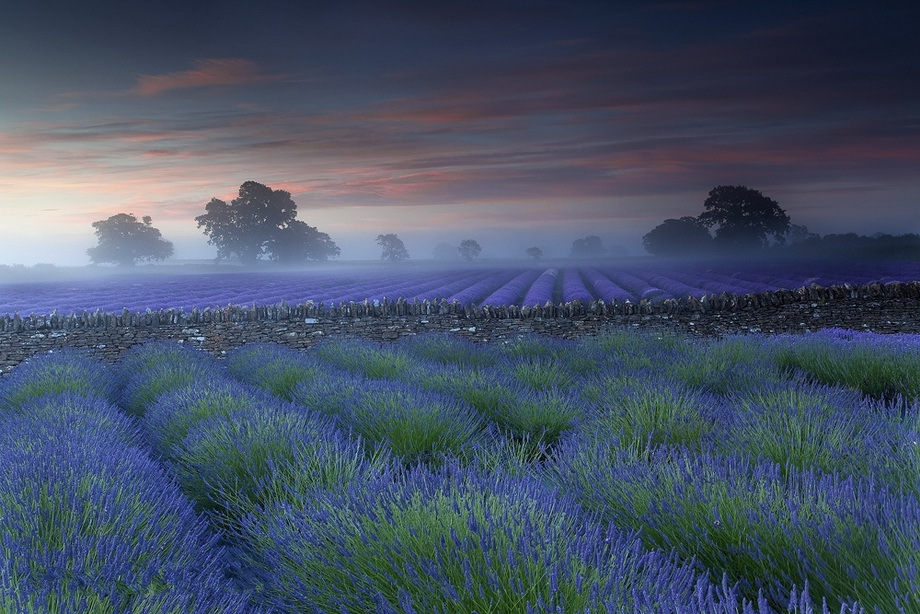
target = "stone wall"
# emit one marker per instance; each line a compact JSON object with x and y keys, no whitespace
{"x":401,"y":308}
{"x":884,"y":309}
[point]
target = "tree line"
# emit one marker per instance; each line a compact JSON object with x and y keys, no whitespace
{"x":262,"y":222}
{"x":746,"y":222}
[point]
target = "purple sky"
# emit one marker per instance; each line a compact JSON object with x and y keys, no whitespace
{"x":516,"y":123}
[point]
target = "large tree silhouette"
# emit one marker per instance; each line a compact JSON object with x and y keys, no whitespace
{"x":589,"y":247}
{"x":298,"y":242}
{"x":262,"y":221}
{"x":124,"y":241}
{"x":743,"y":218}
{"x":678,"y":237}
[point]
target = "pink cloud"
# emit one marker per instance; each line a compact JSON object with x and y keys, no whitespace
{"x":206,"y":72}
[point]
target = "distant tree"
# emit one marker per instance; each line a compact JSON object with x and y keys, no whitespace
{"x":444,"y":251}
{"x":744,"y":218}
{"x":678,"y":237}
{"x":298,"y":242}
{"x":124,"y":241}
{"x":393,"y":248}
{"x":469,"y":249}
{"x":799,"y":233}
{"x":589,"y":247}
{"x":534,"y":252}
{"x":259,"y":221}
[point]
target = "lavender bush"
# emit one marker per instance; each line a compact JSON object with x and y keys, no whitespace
{"x":767,"y":529}
{"x":228,"y":464}
{"x":373,"y":360}
{"x":543,"y":289}
{"x":447,"y":349}
{"x":272,"y":367}
{"x":882,"y":366}
{"x":62,"y":371}
{"x":92,"y":524}
{"x":514,"y":291}
{"x":151,"y":369}
{"x":573,"y":287}
{"x":168,"y":421}
{"x":457,"y":541}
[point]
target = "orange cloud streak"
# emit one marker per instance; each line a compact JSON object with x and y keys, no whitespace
{"x":206,"y":72}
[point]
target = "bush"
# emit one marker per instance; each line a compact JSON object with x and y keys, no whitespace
{"x":847,"y":539}
{"x":732,"y":363}
{"x":231,"y":464}
{"x":153,"y":368}
{"x":881,"y":366}
{"x":93,"y":524}
{"x":449,"y":350}
{"x":811,"y":426}
{"x":645,"y":410}
{"x":65,"y":370}
{"x":175,"y":412}
{"x":368,"y":358}
{"x":272,"y":367}
{"x":80,"y":413}
{"x":456,"y":541}
{"x":414,"y":424}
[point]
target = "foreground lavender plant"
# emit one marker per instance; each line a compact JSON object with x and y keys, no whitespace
{"x":811,"y":426}
{"x":882,"y":366}
{"x":455,"y":541}
{"x":176,"y":412}
{"x":275,"y":368}
{"x":230,"y":464}
{"x":92,"y":524}
{"x":414,"y":424}
{"x":768,"y":529}
{"x":367,"y":358}
{"x":447,"y":349}
{"x":64,"y":370}
{"x":153,"y":368}
{"x":640,"y":409}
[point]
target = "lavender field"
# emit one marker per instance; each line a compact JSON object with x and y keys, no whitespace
{"x":624,"y":473}
{"x":479,"y":285}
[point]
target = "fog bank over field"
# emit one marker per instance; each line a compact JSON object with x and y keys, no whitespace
{"x":497,"y":243}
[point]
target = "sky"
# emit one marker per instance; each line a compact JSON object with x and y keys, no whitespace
{"x":516,"y":123}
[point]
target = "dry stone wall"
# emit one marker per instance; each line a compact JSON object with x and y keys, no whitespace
{"x":890,"y":308}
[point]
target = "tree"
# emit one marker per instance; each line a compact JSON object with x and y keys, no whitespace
{"x":124,"y":241}
{"x":799,"y":233}
{"x":298,"y":242}
{"x":678,"y":237}
{"x":589,"y":247}
{"x":744,"y":218}
{"x":469,"y":249}
{"x":259,"y":221}
{"x":393,"y":248}
{"x":534,"y":252}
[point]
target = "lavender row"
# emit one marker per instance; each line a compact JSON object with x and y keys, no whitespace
{"x":795,"y":488}
{"x":90,"y":521}
{"x":511,"y":286}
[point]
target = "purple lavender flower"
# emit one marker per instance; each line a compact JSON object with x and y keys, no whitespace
{"x":542,"y":290}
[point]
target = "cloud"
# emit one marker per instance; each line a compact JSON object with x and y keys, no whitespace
{"x":207,"y":72}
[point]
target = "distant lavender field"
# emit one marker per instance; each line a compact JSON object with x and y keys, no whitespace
{"x":509,"y":285}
